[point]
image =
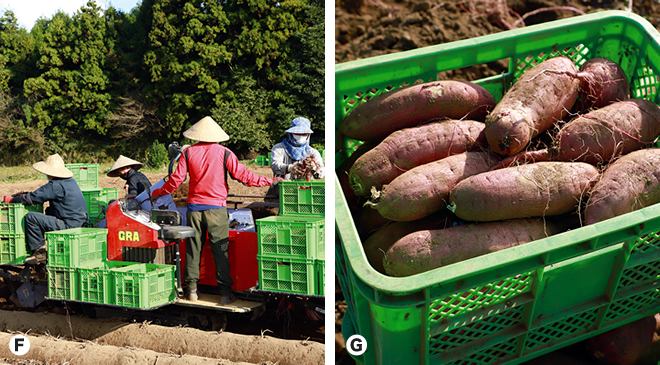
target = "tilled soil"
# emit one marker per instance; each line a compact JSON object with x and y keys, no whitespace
{"x":200,"y":345}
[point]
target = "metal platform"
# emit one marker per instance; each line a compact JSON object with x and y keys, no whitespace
{"x":211,"y":301}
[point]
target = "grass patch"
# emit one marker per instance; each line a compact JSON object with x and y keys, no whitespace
{"x":19,"y":173}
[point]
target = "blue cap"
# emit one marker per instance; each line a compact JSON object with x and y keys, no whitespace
{"x":300,"y":125}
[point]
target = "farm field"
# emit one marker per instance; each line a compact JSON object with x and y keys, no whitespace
{"x":62,"y":333}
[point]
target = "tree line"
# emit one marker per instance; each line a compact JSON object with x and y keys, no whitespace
{"x":101,"y":83}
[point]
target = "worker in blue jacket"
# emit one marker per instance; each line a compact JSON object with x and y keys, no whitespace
{"x":67,"y":207}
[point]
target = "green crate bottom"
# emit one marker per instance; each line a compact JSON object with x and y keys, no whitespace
{"x":320,"y":272}
{"x":96,"y":282}
{"x":13,"y":249}
{"x":144,"y":285}
{"x":287,"y":275}
{"x":63,"y":283}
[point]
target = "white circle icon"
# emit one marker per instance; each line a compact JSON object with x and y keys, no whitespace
{"x":19,"y":345}
{"x":356,"y":345}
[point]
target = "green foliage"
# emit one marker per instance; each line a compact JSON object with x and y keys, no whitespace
{"x":243,"y":118}
{"x":71,"y":91}
{"x":157,"y":155}
{"x":104,"y":82}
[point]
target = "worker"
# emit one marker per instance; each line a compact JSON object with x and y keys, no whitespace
{"x":207,"y":162}
{"x":127,"y":169}
{"x":67,"y":206}
{"x":287,"y":156}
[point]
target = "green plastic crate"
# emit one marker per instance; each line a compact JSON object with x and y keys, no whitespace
{"x":12,"y":217}
{"x":320,"y":273}
{"x":287,"y":275}
{"x":95,"y":205}
{"x":144,"y":285}
{"x":97,"y":200}
{"x":13,"y":248}
{"x":96,"y":283}
{"x":300,"y":237}
{"x":108,"y":194}
{"x":63,"y":283}
{"x":85,"y":174}
{"x":520,"y":303}
{"x":262,"y":161}
{"x":300,"y":197}
{"x":77,"y":247}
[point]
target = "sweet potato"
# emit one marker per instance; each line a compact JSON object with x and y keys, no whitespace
{"x":630,"y":183}
{"x":381,"y":240}
{"x":627,"y":344}
{"x":602,"y":82}
{"x":414,"y":105}
{"x":601,"y":135}
{"x":425,"y":189}
{"x":533,"y":190}
{"x":412,"y":147}
{"x":540,"y":97}
{"x":429,"y":249}
{"x":354,"y":202}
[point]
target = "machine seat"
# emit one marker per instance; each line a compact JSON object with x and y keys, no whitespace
{"x":176,"y":233}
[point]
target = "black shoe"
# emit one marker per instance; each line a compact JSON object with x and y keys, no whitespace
{"x":39,"y":256}
{"x":228,"y":298}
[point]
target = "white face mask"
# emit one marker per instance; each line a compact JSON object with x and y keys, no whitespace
{"x":300,"y":138}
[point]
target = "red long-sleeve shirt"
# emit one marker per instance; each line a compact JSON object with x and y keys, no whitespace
{"x":206,"y":167}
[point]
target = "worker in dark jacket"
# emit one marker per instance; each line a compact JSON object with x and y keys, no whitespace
{"x":127,"y":169}
{"x":67,"y":207}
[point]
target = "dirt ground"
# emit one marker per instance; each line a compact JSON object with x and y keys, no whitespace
{"x":288,"y":337}
{"x":102,"y":338}
{"x":368,"y":28}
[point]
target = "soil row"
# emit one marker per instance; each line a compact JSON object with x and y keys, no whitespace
{"x":166,"y":340}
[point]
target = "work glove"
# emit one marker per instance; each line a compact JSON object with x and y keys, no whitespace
{"x":296,"y":168}
{"x":156,"y":193}
{"x":22,"y":198}
{"x":7,"y":199}
{"x":277,"y":181}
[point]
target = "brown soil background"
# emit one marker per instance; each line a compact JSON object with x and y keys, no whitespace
{"x":368,"y":28}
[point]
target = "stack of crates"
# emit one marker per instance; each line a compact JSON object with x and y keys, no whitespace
{"x":87,"y":177}
{"x":291,"y":252}
{"x":78,"y":270}
{"x":13,"y":249}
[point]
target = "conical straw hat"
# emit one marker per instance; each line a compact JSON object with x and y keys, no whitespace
{"x":121,"y":162}
{"x":53,"y":166}
{"x":206,"y":130}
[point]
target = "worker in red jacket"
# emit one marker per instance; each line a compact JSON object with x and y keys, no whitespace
{"x":207,"y":162}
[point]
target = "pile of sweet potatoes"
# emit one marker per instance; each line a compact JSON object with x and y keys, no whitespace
{"x":447,"y":149}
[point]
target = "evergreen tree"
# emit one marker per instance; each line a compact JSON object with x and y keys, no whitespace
{"x":72,"y":90}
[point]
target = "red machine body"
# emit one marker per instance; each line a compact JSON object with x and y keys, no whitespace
{"x":244,"y":268}
{"x":134,"y":229}
{"x":127,"y":230}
